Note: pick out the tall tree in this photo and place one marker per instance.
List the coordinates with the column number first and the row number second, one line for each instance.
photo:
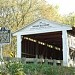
column 50, row 12
column 69, row 19
column 16, row 13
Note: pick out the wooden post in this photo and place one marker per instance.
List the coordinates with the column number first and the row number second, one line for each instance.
column 46, row 51
column 54, row 62
column 46, row 60
column 37, row 49
column 18, row 46
column 36, row 52
column 65, row 48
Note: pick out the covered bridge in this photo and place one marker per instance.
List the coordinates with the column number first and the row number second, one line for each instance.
column 44, row 38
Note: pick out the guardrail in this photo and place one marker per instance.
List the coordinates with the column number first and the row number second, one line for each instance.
column 34, row 60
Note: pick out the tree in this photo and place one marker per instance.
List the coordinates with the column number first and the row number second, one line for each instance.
column 70, row 19
column 50, row 12
column 16, row 13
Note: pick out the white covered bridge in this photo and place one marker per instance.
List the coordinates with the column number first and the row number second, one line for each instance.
column 46, row 39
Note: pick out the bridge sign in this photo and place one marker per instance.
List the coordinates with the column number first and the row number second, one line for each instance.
column 4, row 35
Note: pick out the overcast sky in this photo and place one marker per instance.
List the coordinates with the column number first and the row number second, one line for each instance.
column 65, row 6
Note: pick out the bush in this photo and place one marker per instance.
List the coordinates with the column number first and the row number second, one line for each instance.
column 19, row 68
column 15, row 68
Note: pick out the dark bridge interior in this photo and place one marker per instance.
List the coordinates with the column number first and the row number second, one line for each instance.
column 45, row 45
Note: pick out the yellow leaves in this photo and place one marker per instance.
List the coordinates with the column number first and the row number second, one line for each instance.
column 19, row 13
column 8, row 53
column 9, row 50
column 69, row 19
column 50, row 12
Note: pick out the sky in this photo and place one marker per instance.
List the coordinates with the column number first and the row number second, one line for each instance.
column 65, row 6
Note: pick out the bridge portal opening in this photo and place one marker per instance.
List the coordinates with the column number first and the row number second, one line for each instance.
column 44, row 45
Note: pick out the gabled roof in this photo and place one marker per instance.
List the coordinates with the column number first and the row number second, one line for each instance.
column 42, row 26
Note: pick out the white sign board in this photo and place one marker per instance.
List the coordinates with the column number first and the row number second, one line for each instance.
column 41, row 25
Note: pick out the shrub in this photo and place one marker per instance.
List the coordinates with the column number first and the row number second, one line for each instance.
column 19, row 68
column 15, row 68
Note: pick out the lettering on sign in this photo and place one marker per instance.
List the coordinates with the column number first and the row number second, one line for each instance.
column 41, row 25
